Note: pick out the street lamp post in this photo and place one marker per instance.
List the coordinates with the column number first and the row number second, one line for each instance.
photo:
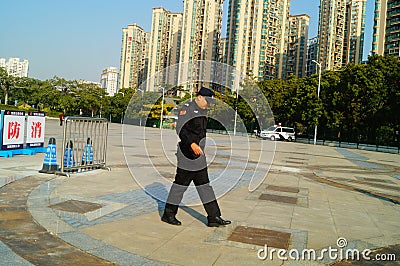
column 319, row 88
column 101, row 103
column 141, row 108
column 236, row 111
column 122, row 114
column 254, row 100
column 162, row 108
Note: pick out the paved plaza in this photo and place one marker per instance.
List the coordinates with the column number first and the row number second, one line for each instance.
column 314, row 197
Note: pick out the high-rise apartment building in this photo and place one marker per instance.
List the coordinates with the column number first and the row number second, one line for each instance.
column 202, row 21
column 340, row 32
column 354, row 33
column 257, row 33
column 312, row 48
column 15, row 67
column 222, row 50
column 386, row 38
column 297, row 45
column 134, row 56
column 109, row 80
column 378, row 39
column 392, row 38
column 331, row 27
column 145, row 58
column 164, row 46
column 3, row 62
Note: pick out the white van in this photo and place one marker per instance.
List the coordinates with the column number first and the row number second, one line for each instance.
column 278, row 133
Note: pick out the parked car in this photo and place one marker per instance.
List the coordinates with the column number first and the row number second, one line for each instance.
column 278, row 133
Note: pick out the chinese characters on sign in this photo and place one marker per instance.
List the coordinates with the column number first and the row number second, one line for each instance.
column 13, row 130
column 13, row 134
column 35, row 129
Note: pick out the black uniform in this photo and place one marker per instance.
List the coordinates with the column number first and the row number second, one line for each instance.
column 191, row 128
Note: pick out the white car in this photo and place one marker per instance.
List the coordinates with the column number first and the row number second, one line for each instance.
column 278, row 133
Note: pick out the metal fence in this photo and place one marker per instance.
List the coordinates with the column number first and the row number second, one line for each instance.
column 382, row 140
column 84, row 145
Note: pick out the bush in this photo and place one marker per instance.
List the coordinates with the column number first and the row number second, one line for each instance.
column 8, row 107
column 25, row 107
column 386, row 136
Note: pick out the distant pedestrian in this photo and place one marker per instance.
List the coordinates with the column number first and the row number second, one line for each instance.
column 61, row 119
column 192, row 165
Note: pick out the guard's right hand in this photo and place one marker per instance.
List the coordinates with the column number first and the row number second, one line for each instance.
column 196, row 149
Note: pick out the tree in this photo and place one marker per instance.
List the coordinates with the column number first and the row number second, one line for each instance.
column 6, row 82
column 253, row 106
column 302, row 105
column 384, row 77
column 89, row 97
column 25, row 90
column 48, row 96
column 330, row 97
column 119, row 102
column 140, row 107
column 276, row 93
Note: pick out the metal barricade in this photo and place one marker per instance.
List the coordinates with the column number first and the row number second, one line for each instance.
column 84, row 145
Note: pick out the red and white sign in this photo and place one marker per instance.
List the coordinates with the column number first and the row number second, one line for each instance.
column 13, row 130
column 35, row 126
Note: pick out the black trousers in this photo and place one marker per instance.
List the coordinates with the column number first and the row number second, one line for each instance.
column 202, row 183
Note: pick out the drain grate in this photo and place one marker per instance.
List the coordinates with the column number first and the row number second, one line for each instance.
column 278, row 198
column 260, row 237
column 284, row 189
column 76, row 206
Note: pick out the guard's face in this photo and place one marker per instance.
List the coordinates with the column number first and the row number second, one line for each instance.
column 201, row 102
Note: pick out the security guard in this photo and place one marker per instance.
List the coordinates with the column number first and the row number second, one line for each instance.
column 192, row 165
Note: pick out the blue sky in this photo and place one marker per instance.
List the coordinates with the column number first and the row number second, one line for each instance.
column 77, row 39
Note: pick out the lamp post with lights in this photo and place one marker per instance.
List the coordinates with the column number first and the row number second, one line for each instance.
column 319, row 88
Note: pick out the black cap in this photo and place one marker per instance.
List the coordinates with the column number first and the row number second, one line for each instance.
column 208, row 94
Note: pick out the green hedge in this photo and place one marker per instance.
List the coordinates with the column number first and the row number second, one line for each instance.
column 24, row 108
column 9, row 107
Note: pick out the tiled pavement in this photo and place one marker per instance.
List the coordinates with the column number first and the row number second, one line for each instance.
column 30, row 240
column 312, row 196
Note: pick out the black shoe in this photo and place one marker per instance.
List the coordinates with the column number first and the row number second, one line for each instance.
column 217, row 221
column 171, row 220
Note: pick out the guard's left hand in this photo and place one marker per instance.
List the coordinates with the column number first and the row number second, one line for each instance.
column 196, row 149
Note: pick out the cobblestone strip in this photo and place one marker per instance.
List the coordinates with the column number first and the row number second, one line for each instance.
column 28, row 239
